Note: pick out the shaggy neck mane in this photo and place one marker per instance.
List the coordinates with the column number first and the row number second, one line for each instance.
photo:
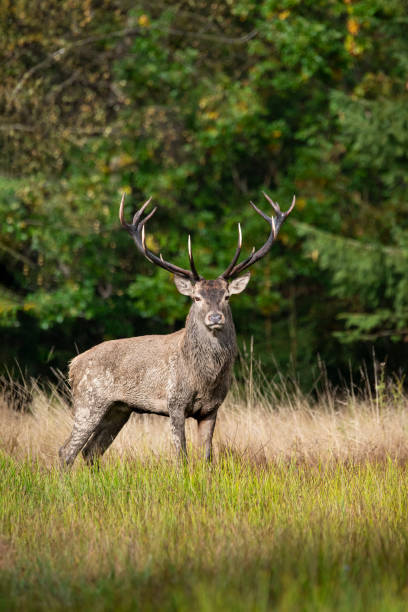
column 208, row 353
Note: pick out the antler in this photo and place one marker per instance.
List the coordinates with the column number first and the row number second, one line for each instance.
column 274, row 222
column 137, row 230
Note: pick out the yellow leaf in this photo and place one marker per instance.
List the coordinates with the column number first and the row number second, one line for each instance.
column 144, row 21
column 353, row 26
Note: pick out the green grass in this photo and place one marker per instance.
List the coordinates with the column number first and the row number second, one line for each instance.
column 148, row 535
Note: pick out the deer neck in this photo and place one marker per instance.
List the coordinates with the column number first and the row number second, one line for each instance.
column 208, row 353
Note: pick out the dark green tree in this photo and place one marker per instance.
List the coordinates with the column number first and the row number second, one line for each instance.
column 203, row 107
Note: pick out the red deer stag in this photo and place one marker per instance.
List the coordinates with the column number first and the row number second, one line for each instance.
column 179, row 375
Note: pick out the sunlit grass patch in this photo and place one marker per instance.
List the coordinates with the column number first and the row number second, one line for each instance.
column 235, row 533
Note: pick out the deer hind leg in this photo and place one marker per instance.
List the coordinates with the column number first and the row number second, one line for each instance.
column 85, row 424
column 105, row 434
column 78, row 438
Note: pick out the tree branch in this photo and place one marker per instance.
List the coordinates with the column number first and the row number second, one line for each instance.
column 55, row 55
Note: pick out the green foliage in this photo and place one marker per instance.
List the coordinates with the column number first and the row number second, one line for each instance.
column 203, row 107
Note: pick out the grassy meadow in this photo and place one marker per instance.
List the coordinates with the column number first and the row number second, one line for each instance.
column 305, row 507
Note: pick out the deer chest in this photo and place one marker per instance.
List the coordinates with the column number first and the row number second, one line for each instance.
column 207, row 400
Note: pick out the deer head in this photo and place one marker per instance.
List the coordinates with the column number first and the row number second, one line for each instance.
column 210, row 297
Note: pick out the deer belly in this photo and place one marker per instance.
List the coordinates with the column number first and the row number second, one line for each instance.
column 147, row 390
column 157, row 406
column 149, row 406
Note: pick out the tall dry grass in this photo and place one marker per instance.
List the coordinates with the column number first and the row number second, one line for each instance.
column 260, row 420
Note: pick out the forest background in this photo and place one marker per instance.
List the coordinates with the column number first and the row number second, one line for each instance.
column 203, row 105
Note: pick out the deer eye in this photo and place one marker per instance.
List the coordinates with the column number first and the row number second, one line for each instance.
column 197, row 299
column 226, row 298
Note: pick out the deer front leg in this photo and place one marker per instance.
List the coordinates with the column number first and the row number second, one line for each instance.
column 178, row 432
column 176, row 407
column 206, row 427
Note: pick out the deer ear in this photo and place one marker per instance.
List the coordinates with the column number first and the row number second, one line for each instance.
column 239, row 284
column 184, row 285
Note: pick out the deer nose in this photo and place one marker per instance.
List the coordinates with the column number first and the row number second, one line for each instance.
column 214, row 320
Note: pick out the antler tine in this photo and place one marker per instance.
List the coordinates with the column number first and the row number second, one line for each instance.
column 292, row 206
column 242, row 265
column 121, row 211
column 260, row 212
column 274, row 205
column 191, row 258
column 275, row 225
column 144, row 244
column 137, row 215
column 145, row 220
column 137, row 230
column 236, row 254
column 143, row 239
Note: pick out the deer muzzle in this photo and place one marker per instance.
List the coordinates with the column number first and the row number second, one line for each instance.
column 214, row 320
